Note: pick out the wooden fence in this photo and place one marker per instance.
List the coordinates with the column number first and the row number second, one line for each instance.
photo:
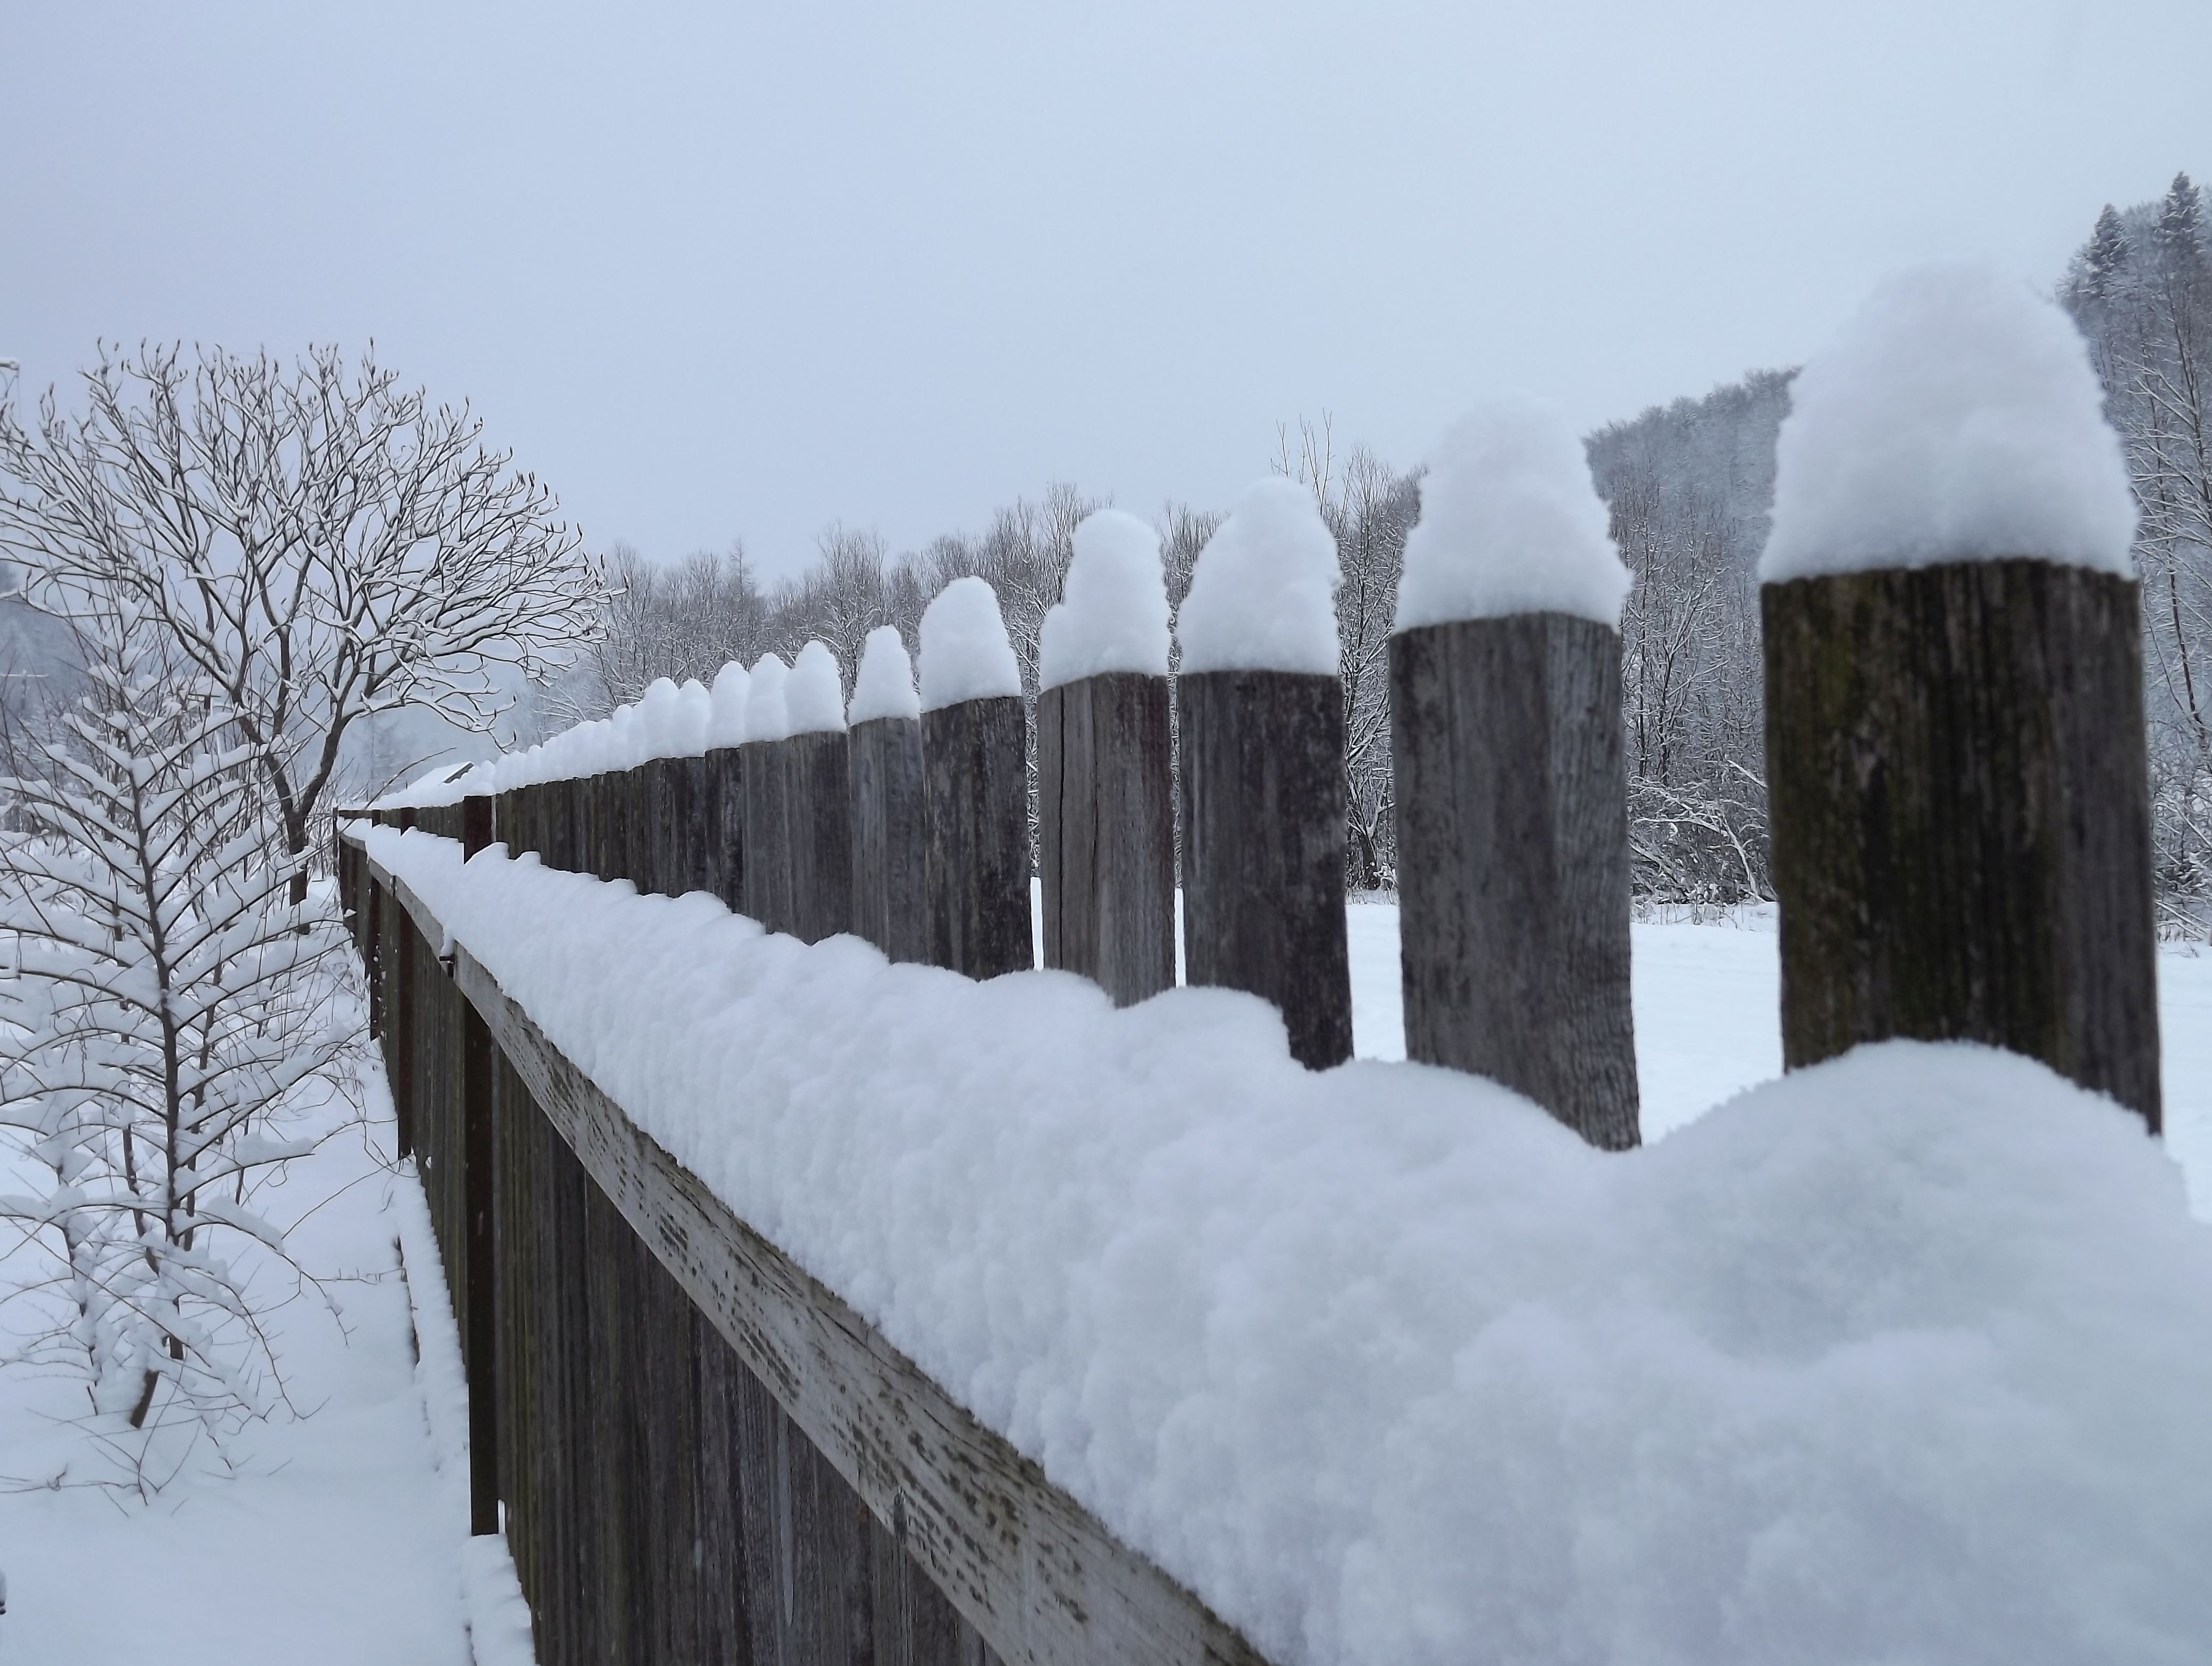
column 702, row 1454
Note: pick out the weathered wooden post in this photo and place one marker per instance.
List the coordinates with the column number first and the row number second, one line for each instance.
column 819, row 811
column 395, row 947
column 890, row 851
column 1511, row 778
column 1105, row 786
column 688, row 845
column 975, row 787
column 767, row 836
column 725, row 820
column 479, row 1184
column 1954, row 725
column 1262, row 729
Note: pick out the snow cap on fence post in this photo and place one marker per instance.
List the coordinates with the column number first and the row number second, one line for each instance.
column 1509, row 774
column 694, row 711
column 657, row 713
column 727, row 726
column 1510, row 522
column 814, row 694
column 1958, row 781
column 1955, row 417
column 965, row 654
column 883, row 686
column 1113, row 611
column 766, row 719
column 1263, row 595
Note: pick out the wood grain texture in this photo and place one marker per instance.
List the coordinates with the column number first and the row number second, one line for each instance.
column 1106, row 833
column 1960, row 815
column 819, row 817
column 975, row 821
column 1032, row 1574
column 889, row 847
column 1511, row 791
column 723, row 871
column 768, row 834
column 1263, row 848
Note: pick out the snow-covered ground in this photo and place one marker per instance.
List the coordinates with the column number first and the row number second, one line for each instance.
column 344, row 1539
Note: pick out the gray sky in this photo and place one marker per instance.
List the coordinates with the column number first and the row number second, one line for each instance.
column 719, row 270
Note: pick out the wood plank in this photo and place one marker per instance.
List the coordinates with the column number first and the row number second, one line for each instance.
column 724, row 872
column 974, row 759
column 1263, row 848
column 818, row 814
column 1960, row 815
column 768, row 834
column 889, row 860
column 1106, row 832
column 1511, row 787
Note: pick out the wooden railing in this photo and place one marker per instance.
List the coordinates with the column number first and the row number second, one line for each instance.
column 700, row 1453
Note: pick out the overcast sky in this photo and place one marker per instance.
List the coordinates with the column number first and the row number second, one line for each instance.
column 718, row 271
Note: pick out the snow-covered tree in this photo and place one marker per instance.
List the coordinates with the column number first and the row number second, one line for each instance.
column 2142, row 291
column 315, row 542
column 168, row 1016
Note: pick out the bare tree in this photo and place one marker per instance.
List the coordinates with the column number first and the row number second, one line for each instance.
column 315, row 542
column 1370, row 508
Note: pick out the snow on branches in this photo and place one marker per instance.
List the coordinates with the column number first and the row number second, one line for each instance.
column 168, row 1014
column 317, row 542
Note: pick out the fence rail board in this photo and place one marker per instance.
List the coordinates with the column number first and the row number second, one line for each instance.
column 1037, row 1576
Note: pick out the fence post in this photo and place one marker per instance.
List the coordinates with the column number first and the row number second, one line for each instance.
column 1263, row 848
column 1105, row 773
column 479, row 1182
column 1510, row 775
column 1511, row 790
column 767, row 797
column 723, row 825
column 975, row 787
column 1106, row 832
column 1960, row 812
column 395, row 935
column 1260, row 713
column 890, row 866
column 1957, row 770
column 819, row 812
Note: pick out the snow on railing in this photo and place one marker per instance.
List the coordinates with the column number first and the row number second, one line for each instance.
column 1376, row 1362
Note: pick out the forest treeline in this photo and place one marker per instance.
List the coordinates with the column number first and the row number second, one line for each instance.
column 1689, row 486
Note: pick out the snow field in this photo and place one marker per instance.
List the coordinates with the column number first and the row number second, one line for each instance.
column 1510, row 522
column 342, row 1538
column 1955, row 417
column 1113, row 615
column 883, row 686
column 1263, row 595
column 1902, row 1358
column 965, row 654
